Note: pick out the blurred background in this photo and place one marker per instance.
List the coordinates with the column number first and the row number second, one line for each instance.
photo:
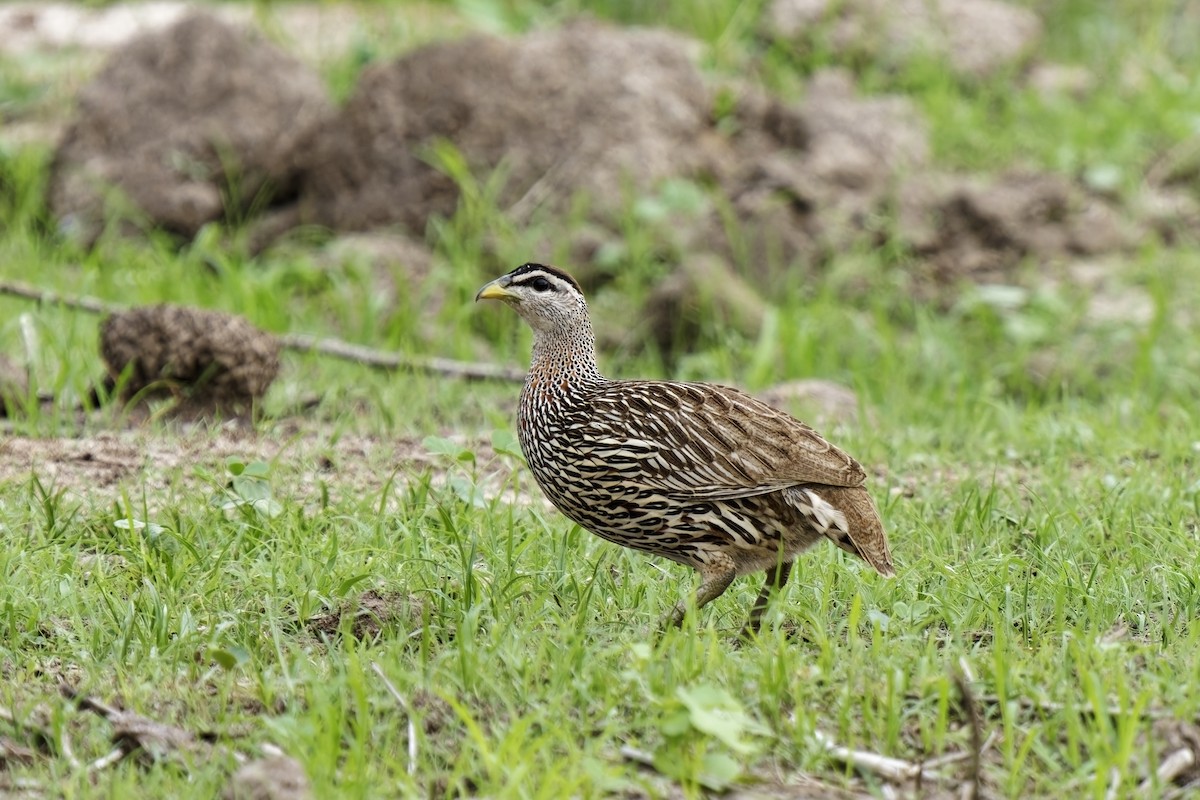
column 920, row 203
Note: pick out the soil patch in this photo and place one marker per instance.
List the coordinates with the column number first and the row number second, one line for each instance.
column 976, row 38
column 97, row 470
column 370, row 614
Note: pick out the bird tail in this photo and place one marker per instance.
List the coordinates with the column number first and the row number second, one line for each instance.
column 864, row 535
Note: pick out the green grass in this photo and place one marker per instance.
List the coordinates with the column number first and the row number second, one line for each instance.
column 1045, row 529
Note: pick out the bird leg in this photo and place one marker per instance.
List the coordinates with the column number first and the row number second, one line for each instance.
column 712, row 585
column 776, row 577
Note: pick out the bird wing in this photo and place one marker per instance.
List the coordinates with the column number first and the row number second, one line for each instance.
column 692, row 440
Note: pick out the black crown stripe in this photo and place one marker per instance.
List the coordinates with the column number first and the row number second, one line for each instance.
column 526, row 269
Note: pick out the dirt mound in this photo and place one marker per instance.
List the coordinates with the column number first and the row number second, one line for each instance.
column 977, row 38
column 980, row 230
column 211, row 361
column 1171, row 211
column 187, row 125
column 806, row 180
column 585, row 108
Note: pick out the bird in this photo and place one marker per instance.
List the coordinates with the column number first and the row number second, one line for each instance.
column 702, row 474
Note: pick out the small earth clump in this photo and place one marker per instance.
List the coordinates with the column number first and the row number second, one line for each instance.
column 371, row 613
column 274, row 778
column 967, row 229
column 211, row 361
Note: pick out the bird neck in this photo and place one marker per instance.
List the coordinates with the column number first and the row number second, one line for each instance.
column 565, row 357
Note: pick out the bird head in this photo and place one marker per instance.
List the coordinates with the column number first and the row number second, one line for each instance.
column 547, row 298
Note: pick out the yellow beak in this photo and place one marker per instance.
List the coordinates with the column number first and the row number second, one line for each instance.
column 496, row 290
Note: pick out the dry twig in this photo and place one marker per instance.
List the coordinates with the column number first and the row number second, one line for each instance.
column 92, row 305
column 974, row 718
column 114, row 756
column 1189, row 789
column 1114, row 784
column 1054, row 707
column 639, row 757
column 12, row 751
column 1170, row 768
column 963, row 755
column 896, row 770
column 383, row 359
column 299, row 342
column 28, row 785
column 133, row 733
column 407, row 709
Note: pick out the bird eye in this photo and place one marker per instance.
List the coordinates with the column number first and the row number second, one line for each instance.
column 540, row 285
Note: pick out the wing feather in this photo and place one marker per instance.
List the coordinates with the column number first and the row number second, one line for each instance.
column 709, row 441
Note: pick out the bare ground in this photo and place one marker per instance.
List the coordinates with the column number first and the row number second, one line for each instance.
column 100, row 468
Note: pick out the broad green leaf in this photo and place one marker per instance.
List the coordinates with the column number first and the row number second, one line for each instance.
column 720, row 771
column 259, row 469
column 715, row 712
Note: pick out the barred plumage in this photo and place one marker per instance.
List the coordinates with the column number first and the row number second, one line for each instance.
column 702, row 474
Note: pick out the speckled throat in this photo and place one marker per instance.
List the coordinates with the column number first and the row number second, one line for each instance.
column 555, row 409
